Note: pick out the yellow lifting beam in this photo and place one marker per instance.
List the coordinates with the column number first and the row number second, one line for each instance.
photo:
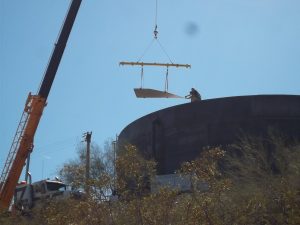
column 154, row 64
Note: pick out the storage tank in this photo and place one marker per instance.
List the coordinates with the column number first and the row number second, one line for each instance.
column 177, row 134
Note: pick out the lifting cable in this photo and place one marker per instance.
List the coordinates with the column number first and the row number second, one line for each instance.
column 142, row 76
column 155, row 32
column 155, row 38
column 142, row 64
column 146, row 50
column 167, row 82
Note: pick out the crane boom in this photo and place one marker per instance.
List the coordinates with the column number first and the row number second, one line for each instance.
column 23, row 141
column 59, row 49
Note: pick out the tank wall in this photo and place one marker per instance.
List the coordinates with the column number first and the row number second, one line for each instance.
column 177, row 134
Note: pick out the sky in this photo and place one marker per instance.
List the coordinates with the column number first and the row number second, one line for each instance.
column 235, row 47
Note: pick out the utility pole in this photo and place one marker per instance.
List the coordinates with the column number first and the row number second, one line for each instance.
column 115, row 146
column 87, row 138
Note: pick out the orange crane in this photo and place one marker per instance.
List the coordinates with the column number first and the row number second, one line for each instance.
column 22, row 144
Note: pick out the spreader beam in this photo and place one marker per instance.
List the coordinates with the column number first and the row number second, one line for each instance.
column 154, row 64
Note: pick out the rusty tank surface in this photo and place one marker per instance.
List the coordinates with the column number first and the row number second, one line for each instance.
column 177, row 134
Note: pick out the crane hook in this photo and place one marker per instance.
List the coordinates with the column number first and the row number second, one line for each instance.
column 155, row 32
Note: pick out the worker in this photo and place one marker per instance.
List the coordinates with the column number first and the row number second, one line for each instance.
column 194, row 95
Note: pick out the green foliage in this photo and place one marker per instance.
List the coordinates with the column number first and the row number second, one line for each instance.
column 101, row 170
column 254, row 182
column 134, row 173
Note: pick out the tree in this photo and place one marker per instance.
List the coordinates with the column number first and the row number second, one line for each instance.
column 101, row 170
column 265, row 172
column 134, row 172
column 255, row 181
